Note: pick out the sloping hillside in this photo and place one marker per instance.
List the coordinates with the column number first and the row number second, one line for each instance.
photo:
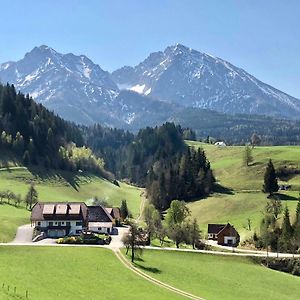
column 242, row 197
column 58, row 186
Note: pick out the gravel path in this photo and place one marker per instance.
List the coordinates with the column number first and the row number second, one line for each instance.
column 24, row 234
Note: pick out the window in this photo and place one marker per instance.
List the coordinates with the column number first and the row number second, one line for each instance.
column 39, row 223
column 63, row 223
column 50, row 223
column 68, row 223
column 55, row 223
column 59, row 223
column 78, row 223
column 78, row 231
column 99, row 228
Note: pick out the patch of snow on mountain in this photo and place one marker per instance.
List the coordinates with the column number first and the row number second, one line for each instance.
column 138, row 88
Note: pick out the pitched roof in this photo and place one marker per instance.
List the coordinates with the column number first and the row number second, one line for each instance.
column 232, row 230
column 114, row 212
column 98, row 214
column 59, row 210
column 215, row 228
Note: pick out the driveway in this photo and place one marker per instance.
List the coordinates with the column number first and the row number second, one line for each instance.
column 116, row 240
column 24, row 234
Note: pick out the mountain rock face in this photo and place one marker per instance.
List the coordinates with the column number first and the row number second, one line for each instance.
column 168, row 86
column 193, row 79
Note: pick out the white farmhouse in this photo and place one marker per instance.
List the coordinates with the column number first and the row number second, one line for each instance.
column 59, row 219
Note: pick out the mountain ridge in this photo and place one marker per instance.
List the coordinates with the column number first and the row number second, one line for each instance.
column 194, row 79
column 166, row 84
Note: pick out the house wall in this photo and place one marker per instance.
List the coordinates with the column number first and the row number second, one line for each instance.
column 229, row 233
column 101, row 229
column 226, row 238
column 212, row 236
column 73, row 227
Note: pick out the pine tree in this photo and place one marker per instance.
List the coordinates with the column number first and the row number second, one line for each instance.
column 270, row 180
column 297, row 214
column 286, row 232
column 124, row 210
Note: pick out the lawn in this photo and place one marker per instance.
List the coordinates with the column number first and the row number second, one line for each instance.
column 10, row 218
column 219, row 277
column 73, row 273
column 243, row 197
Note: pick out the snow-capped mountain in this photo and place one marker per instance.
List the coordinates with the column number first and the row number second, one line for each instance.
column 70, row 85
column 162, row 88
column 190, row 78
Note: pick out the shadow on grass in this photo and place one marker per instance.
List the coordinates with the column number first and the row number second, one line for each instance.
column 223, row 190
column 285, row 197
column 47, row 175
column 147, row 269
column 257, row 163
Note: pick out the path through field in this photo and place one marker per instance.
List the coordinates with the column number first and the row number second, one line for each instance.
column 131, row 267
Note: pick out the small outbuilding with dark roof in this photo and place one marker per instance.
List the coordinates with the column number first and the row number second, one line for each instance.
column 99, row 220
column 224, row 234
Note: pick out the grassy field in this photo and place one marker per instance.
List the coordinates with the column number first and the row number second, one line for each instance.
column 58, row 186
column 73, row 273
column 243, row 198
column 65, row 186
column 219, row 277
column 10, row 219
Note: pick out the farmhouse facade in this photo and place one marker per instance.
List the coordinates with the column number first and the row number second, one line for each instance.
column 59, row 219
column 224, row 234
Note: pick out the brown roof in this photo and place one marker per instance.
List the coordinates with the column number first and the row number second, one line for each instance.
column 59, row 211
column 114, row 212
column 215, row 228
column 98, row 214
column 230, row 230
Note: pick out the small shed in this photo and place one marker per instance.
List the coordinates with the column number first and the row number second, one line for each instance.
column 224, row 234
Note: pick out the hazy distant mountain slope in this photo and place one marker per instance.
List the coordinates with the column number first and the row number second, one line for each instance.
column 71, row 85
column 194, row 79
column 80, row 91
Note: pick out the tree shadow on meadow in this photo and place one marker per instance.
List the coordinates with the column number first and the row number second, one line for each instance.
column 51, row 175
column 223, row 190
column 285, row 197
column 147, row 269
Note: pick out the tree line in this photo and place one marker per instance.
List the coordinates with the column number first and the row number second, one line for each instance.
column 158, row 159
column 39, row 137
column 16, row 199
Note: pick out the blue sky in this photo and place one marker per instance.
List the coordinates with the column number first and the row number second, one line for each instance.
column 261, row 36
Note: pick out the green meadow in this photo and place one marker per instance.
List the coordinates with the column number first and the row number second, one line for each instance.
column 241, row 195
column 215, row 277
column 72, row 273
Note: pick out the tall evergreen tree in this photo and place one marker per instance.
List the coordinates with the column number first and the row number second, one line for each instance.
column 286, row 232
column 124, row 210
column 270, row 180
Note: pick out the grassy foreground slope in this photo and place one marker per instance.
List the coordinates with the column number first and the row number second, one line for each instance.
column 73, row 273
column 244, row 198
column 216, row 277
